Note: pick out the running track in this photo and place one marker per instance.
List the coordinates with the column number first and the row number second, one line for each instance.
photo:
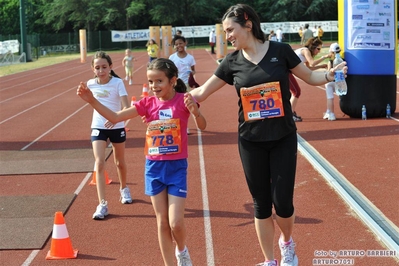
column 40, row 111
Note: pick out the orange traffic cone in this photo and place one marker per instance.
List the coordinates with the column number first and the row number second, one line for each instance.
column 93, row 180
column 61, row 247
column 145, row 91
column 133, row 100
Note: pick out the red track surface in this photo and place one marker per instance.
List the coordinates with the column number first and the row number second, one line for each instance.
column 41, row 106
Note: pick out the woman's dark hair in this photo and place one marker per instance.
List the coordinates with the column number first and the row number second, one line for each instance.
column 240, row 14
column 177, row 37
column 312, row 44
column 104, row 55
column 169, row 68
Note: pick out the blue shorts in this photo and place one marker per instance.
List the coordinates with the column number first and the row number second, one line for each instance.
column 114, row 135
column 170, row 175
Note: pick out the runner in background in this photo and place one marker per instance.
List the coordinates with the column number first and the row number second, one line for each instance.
column 110, row 91
column 127, row 63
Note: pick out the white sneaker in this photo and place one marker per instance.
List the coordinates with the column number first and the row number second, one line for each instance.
column 288, row 256
column 125, row 196
column 331, row 117
column 183, row 258
column 126, row 78
column 130, row 82
column 326, row 115
column 188, row 131
column 101, row 211
column 268, row 263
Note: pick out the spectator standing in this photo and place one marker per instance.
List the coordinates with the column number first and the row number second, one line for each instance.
column 306, row 35
column 272, row 36
column 279, row 35
column 212, row 40
column 315, row 34
column 320, row 32
column 330, row 87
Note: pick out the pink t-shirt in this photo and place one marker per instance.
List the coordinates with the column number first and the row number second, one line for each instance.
column 154, row 109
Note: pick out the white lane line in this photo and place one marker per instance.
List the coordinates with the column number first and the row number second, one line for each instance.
column 368, row 213
column 205, row 205
column 34, row 106
column 45, row 133
column 30, row 258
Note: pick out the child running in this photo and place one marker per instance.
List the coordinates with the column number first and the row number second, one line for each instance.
column 184, row 62
column 166, row 150
column 127, row 62
column 110, row 91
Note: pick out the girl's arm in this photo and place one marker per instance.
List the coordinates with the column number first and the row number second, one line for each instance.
column 192, row 106
column 125, row 114
column 210, row 86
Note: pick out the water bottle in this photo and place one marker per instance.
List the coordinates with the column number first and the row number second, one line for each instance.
column 364, row 113
column 388, row 111
column 340, row 83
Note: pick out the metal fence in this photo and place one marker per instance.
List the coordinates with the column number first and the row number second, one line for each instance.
column 56, row 43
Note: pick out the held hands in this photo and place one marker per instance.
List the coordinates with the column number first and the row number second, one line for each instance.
column 84, row 93
column 191, row 104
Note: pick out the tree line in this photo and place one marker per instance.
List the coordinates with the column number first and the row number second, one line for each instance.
column 47, row 16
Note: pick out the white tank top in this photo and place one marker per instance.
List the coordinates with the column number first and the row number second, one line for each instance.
column 300, row 55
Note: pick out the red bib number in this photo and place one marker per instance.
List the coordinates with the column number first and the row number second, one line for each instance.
column 262, row 101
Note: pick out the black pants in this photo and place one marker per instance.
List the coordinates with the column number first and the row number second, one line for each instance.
column 212, row 48
column 269, row 169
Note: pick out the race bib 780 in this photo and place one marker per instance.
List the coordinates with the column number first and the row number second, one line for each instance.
column 262, row 101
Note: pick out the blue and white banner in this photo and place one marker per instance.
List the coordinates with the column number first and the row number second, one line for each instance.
column 130, row 35
column 204, row 30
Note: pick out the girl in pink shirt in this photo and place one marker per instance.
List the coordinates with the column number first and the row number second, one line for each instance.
column 167, row 114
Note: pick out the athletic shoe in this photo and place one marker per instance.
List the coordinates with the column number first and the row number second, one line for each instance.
column 288, row 256
column 125, row 196
column 126, row 78
column 331, row 117
column 268, row 263
column 130, row 82
column 296, row 117
column 188, row 131
column 326, row 115
column 183, row 258
column 101, row 211
column 294, row 113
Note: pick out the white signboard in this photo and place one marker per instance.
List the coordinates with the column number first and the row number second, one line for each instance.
column 371, row 24
column 11, row 46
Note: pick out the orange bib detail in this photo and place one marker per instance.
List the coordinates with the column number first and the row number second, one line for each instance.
column 262, row 101
column 163, row 137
